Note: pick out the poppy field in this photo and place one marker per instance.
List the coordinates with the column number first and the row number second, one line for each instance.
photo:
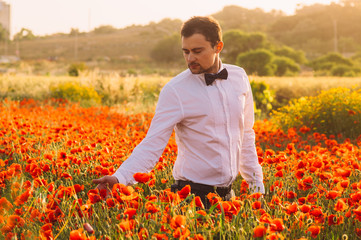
column 50, row 151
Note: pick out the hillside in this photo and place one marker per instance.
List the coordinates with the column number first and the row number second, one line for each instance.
column 133, row 41
column 315, row 29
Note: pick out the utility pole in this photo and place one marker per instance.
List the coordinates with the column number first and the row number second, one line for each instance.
column 335, row 42
column 17, row 48
column 76, row 45
column 89, row 19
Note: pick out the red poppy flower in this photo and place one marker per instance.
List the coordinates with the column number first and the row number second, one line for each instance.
column 198, row 202
column 198, row 237
column 94, row 196
column 340, row 205
column 213, row 198
column 291, row 194
column 77, row 235
column 46, row 231
column 181, row 233
column 160, row 236
column 256, row 205
column 184, row 192
column 279, row 173
column 299, row 174
column 291, row 209
column 259, row 231
column 305, row 208
column 178, row 221
column 317, row 212
column 20, row 200
column 111, row 202
column 5, row 204
column 342, row 172
column 334, row 220
column 277, row 225
column 127, row 225
column 332, row 195
column 150, row 207
column 130, row 212
column 141, row 177
column 315, row 230
column 12, row 222
column 143, row 233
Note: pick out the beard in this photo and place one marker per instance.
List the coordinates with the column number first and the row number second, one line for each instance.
column 196, row 68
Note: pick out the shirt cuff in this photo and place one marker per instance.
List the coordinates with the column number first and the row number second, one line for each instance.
column 255, row 187
column 121, row 178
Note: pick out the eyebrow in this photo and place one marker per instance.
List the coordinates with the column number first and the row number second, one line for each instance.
column 193, row 49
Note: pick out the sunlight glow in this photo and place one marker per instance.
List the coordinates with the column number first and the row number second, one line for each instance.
column 46, row 17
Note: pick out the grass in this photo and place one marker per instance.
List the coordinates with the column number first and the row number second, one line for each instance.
column 132, row 93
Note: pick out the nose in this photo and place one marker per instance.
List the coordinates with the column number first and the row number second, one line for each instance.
column 190, row 57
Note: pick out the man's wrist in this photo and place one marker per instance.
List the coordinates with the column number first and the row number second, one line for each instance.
column 120, row 178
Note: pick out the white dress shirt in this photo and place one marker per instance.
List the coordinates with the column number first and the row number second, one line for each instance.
column 213, row 128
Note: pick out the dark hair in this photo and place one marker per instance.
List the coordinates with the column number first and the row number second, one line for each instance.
column 207, row 26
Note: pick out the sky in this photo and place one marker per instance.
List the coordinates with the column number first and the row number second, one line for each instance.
column 45, row 17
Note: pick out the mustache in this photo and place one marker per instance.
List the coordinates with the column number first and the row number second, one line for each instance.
column 193, row 64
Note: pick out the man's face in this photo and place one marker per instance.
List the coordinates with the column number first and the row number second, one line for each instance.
column 200, row 56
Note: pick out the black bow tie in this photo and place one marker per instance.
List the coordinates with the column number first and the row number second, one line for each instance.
column 209, row 77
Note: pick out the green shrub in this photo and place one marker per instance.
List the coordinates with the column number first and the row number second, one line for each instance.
column 357, row 58
column 296, row 55
column 285, row 66
column 335, row 111
column 168, row 49
column 74, row 92
column 75, row 68
column 263, row 98
column 345, row 71
column 236, row 42
column 324, row 64
column 258, row 62
column 335, row 64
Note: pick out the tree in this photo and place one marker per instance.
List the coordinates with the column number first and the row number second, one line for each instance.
column 4, row 34
column 256, row 40
column 248, row 20
column 285, row 66
column 324, row 24
column 357, row 58
column 345, row 71
column 74, row 32
column 105, row 29
column 168, row 49
column 347, row 45
column 327, row 61
column 258, row 62
column 296, row 55
column 24, row 34
column 336, row 65
column 236, row 42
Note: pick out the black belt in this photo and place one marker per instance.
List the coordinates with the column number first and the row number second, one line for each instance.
column 222, row 191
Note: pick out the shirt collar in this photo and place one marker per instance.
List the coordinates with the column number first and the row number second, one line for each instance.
column 201, row 75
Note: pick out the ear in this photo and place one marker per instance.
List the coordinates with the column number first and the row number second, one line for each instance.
column 219, row 47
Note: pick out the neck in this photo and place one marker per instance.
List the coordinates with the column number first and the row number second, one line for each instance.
column 216, row 66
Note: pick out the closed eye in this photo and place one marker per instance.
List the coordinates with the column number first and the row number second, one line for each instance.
column 194, row 50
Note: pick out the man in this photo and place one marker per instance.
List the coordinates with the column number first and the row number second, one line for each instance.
column 212, row 116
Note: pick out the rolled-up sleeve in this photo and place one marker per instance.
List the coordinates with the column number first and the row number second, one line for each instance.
column 250, row 168
column 146, row 154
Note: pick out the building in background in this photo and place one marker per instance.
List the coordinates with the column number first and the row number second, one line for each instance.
column 5, row 17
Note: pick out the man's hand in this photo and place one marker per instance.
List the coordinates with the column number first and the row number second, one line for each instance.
column 106, row 182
